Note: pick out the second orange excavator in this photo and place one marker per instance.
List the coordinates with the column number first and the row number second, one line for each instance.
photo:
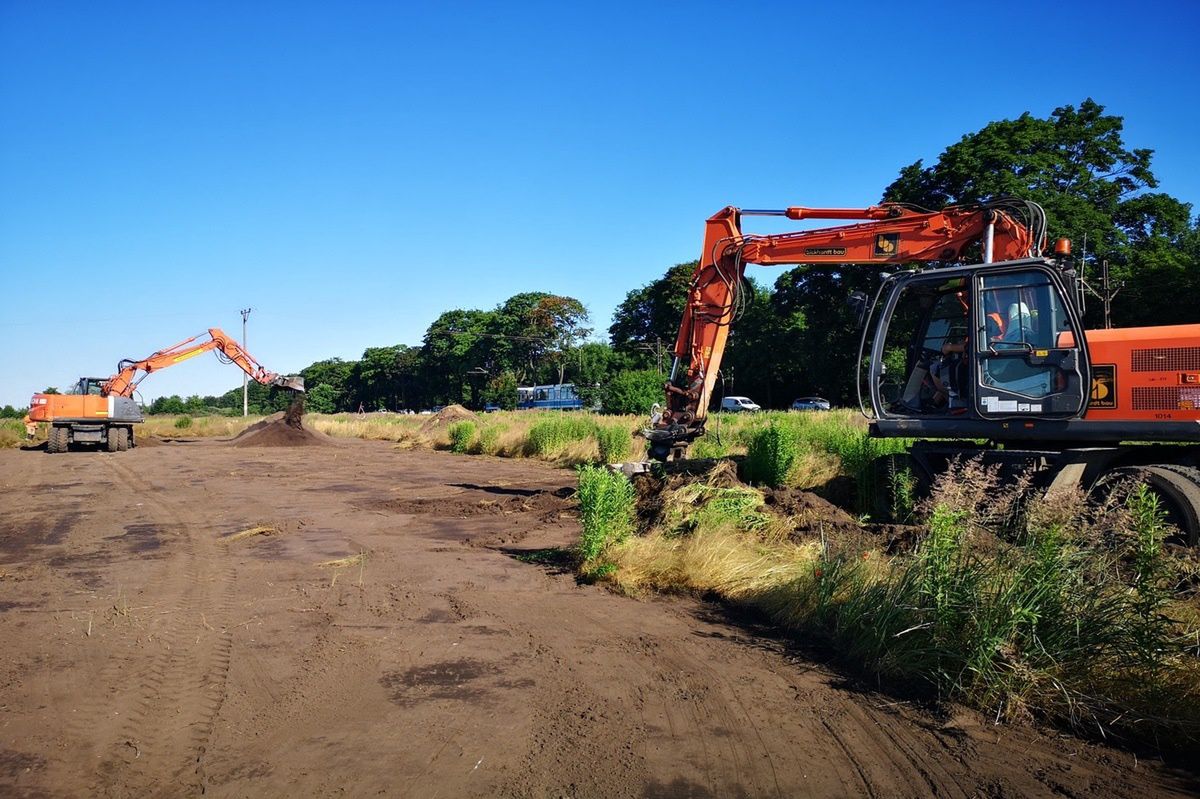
column 103, row 411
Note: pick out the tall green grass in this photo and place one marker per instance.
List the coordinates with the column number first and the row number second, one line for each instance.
column 606, row 510
column 771, row 454
column 614, row 442
column 776, row 442
column 12, row 433
column 462, row 434
column 548, row 436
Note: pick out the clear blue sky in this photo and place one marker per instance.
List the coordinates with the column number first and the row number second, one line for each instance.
column 353, row 169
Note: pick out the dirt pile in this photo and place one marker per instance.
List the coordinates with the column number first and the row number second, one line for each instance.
column 281, row 430
column 808, row 513
column 446, row 417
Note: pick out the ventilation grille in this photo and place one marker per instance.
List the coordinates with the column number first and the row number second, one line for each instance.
column 1163, row 398
column 1166, row 359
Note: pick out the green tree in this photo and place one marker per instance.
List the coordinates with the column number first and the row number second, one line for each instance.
column 385, row 377
column 647, row 321
column 535, row 332
column 334, row 373
column 501, row 391
column 171, row 404
column 51, row 390
column 1075, row 163
column 455, row 344
column 322, row 398
column 633, row 392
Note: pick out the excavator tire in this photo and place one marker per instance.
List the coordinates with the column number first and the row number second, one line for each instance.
column 122, row 434
column 112, row 439
column 58, row 440
column 1177, row 486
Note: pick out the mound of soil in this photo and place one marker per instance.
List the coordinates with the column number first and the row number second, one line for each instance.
column 281, row 430
column 811, row 513
column 448, row 416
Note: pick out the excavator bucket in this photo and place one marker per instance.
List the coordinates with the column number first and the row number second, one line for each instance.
column 294, row 382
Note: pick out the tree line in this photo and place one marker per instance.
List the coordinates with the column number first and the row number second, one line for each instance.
column 796, row 336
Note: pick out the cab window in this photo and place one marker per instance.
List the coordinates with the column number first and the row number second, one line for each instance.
column 1022, row 314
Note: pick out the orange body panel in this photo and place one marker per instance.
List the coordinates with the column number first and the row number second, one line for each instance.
column 48, row 407
column 1144, row 374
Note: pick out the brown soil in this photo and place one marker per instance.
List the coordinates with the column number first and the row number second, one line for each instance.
column 281, row 430
column 446, row 417
column 384, row 641
column 809, row 512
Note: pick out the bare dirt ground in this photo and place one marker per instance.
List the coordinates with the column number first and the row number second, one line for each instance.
column 144, row 653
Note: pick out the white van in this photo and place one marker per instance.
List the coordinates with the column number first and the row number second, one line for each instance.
column 738, row 404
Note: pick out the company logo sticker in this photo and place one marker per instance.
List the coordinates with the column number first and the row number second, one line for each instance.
column 887, row 244
column 1104, row 386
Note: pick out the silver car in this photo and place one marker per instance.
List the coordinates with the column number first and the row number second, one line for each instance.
column 810, row 404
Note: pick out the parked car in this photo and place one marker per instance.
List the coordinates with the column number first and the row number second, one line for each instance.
column 739, row 404
column 810, row 404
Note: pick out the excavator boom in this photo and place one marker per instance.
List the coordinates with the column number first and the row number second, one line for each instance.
column 888, row 234
column 123, row 383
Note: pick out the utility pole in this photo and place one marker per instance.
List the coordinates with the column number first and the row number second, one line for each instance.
column 245, row 380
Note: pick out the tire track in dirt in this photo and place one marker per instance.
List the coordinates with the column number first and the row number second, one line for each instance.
column 176, row 695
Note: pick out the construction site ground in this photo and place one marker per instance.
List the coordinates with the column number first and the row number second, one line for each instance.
column 393, row 627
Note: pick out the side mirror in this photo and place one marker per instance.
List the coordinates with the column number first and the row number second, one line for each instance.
column 858, row 304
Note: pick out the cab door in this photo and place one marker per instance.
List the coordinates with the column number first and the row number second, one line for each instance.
column 1030, row 355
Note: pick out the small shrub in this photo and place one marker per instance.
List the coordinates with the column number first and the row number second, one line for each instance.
column 615, row 442
column 489, row 439
column 771, row 454
column 183, row 422
column 606, row 510
column 548, row 436
column 461, row 435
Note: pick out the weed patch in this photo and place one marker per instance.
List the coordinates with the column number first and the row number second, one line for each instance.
column 462, row 434
column 606, row 510
column 614, row 441
column 550, row 435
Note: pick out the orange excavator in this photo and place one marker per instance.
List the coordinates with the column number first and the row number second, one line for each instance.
column 103, row 411
column 994, row 351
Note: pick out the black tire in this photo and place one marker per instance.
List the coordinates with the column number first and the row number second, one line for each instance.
column 123, row 434
column 1177, row 486
column 112, row 439
column 59, row 439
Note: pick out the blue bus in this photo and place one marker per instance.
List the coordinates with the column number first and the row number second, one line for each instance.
column 560, row 396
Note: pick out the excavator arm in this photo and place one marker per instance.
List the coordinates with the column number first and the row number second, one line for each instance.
column 127, row 378
column 888, row 234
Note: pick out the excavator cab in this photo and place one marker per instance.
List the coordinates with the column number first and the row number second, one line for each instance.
column 89, row 385
column 975, row 351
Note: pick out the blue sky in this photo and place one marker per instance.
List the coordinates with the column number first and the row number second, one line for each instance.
column 351, row 170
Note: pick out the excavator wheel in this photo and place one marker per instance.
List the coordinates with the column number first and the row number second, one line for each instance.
column 112, row 441
column 1178, row 487
column 123, row 435
column 59, row 440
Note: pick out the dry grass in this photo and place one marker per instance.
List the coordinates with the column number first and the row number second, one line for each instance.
column 721, row 560
column 344, row 563
column 201, row 426
column 250, row 532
